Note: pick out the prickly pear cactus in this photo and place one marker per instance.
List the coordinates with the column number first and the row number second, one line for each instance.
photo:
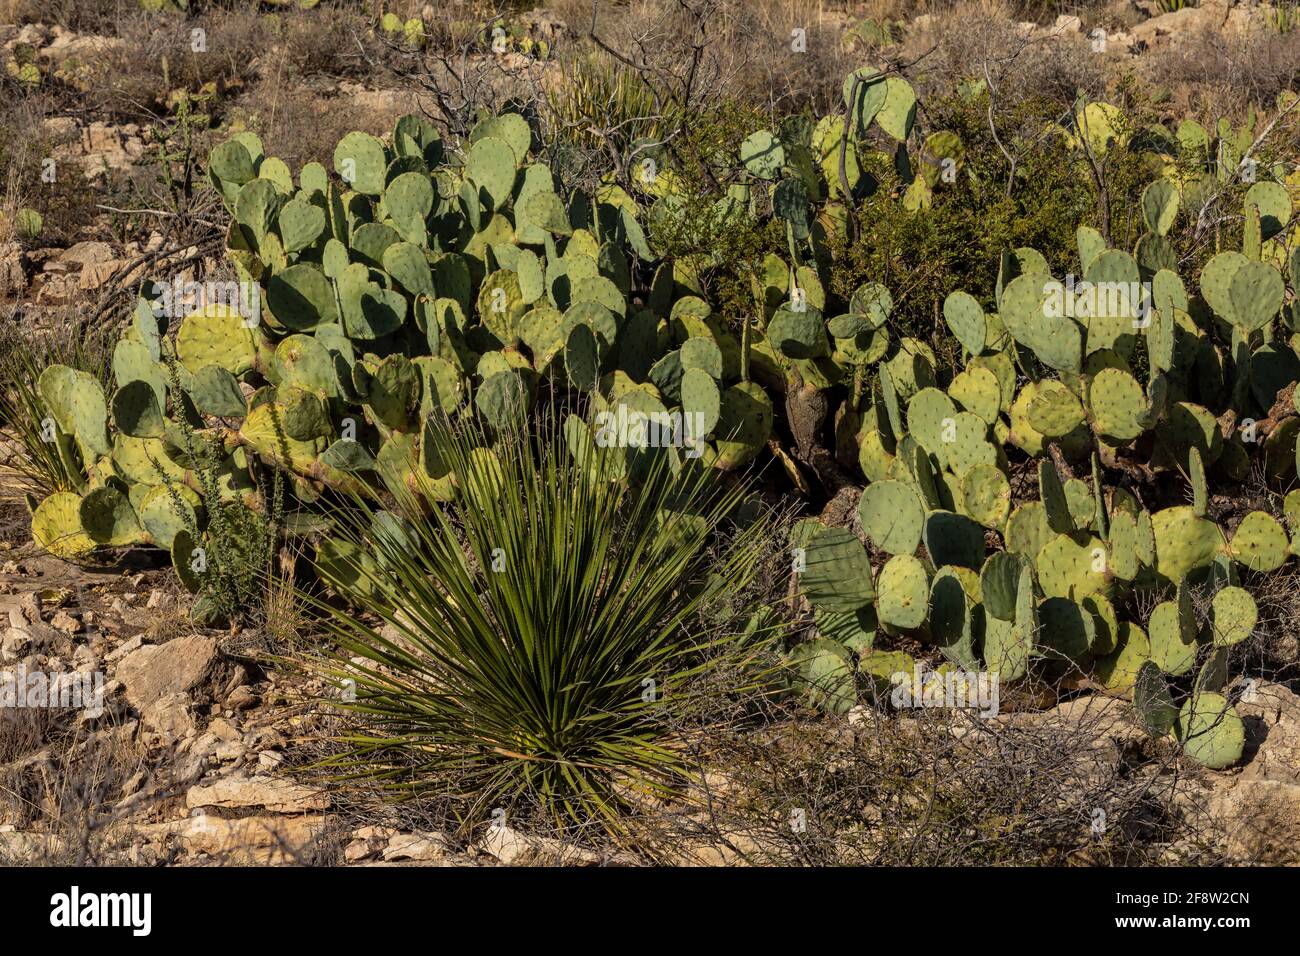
column 1028, row 513
column 415, row 278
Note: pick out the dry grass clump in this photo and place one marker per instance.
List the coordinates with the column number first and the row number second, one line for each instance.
column 304, row 126
column 66, row 205
column 1211, row 74
column 972, row 41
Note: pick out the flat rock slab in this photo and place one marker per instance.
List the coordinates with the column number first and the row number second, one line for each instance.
column 177, row 667
column 274, row 793
column 247, row 841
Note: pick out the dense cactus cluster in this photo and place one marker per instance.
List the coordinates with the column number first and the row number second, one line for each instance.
column 1109, row 385
column 419, row 280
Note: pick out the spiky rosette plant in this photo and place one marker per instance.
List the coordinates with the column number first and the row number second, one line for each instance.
column 537, row 626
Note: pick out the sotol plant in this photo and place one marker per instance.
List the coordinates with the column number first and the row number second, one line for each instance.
column 537, row 624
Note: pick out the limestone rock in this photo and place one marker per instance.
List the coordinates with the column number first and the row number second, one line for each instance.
column 186, row 664
column 277, row 794
column 418, row 847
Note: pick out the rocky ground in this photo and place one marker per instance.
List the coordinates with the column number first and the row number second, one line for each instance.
column 187, row 756
column 195, row 758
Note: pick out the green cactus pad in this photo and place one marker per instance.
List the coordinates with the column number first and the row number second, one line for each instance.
column 263, row 432
column 1055, row 339
column 216, row 336
column 837, row 573
column 911, row 368
column 360, row 159
column 256, row 211
column 1054, row 411
column 884, row 670
column 490, row 165
column 873, row 458
column 1052, row 492
column 1256, row 293
column 1066, row 631
column 798, row 335
column 1122, row 546
column 301, row 224
column 409, row 200
column 143, row 460
column 305, row 416
column 1274, row 204
column 1106, row 623
column 133, row 360
column 762, row 154
column 744, row 424
column 1216, row 282
column 502, row 399
column 1151, row 699
column 1028, row 530
column 1081, row 503
column 76, row 400
column 1090, row 245
column 970, row 446
column 301, row 297
column 581, row 361
column 1072, row 566
column 107, row 517
column 136, row 412
column 501, row 305
column 166, row 509
column 1213, row 675
column 1006, row 650
column 902, row 593
column 1260, row 543
column 977, row 391
column 892, row 516
column 864, row 92
column 823, row 675
column 986, row 496
column 304, row 362
column 954, row 539
column 999, row 584
column 1210, row 731
column 1184, row 542
column 1233, row 615
column 348, row 455
column 1116, row 402
column 56, row 526
column 230, row 161
column 898, row 112
column 950, row 620
column 1118, row 671
column 966, row 319
column 216, row 392
column 1171, row 649
column 1160, row 206
column 855, row 630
